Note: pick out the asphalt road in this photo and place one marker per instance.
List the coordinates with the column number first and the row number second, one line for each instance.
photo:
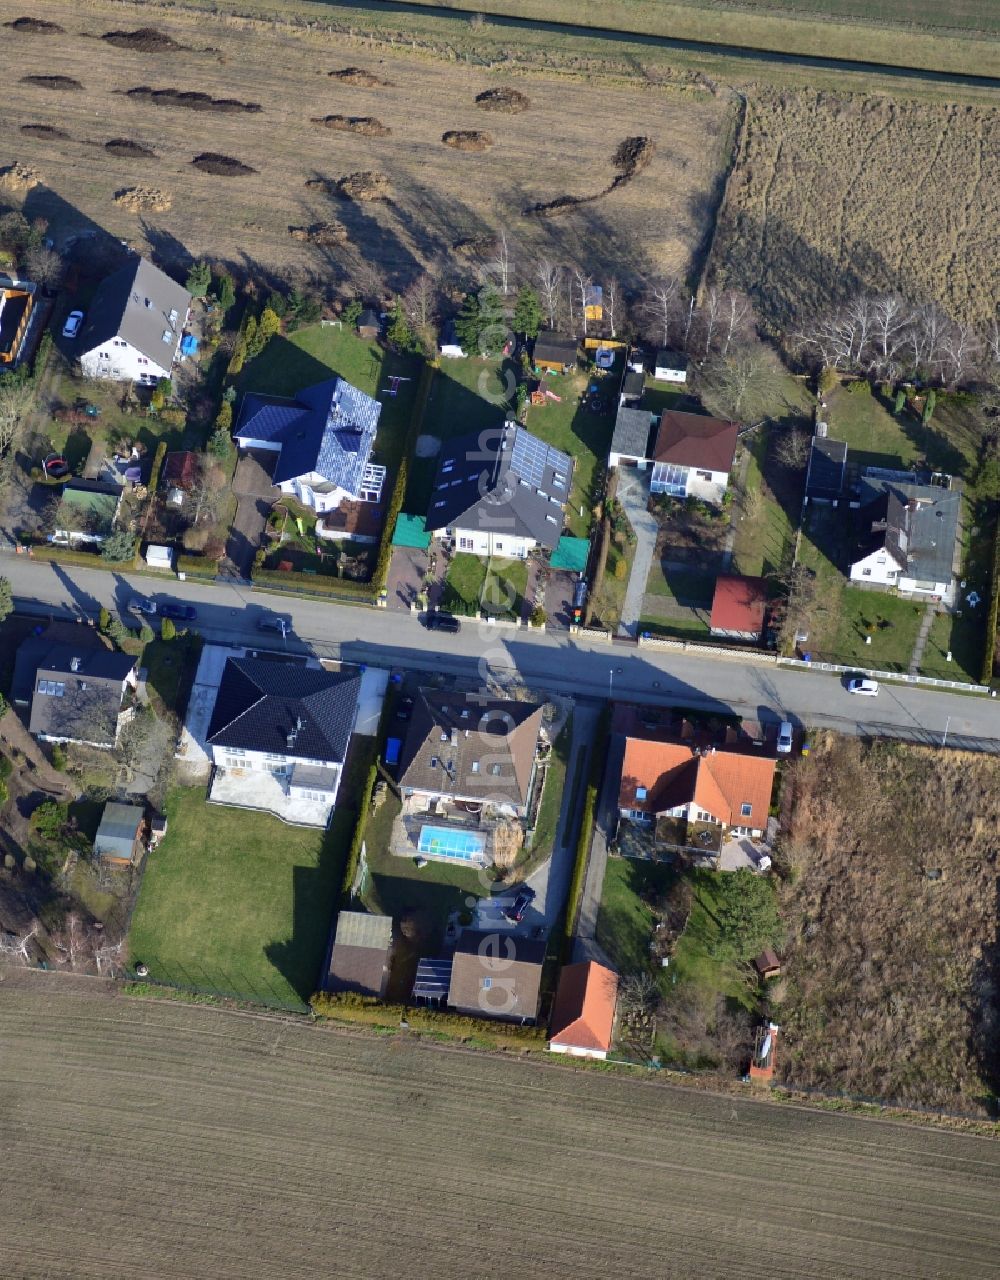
column 554, row 661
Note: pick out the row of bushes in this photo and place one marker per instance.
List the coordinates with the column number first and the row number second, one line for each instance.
column 582, row 859
column 92, row 559
column 197, row 567
column 307, row 584
column 364, row 808
column 348, row 1007
column 989, row 650
column 154, row 471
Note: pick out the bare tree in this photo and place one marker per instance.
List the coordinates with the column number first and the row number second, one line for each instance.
column 44, row 266
column 15, row 402
column 929, row 333
column 501, row 264
column 891, row 319
column 792, row 448
column 583, row 284
column 739, row 384
column 660, row 306
column 108, row 958
column 709, row 315
column 613, row 305
column 420, row 300
column 548, row 277
column 737, row 317
column 14, row 946
column 991, row 341
column 70, row 940
column 638, row 995
column 959, row 351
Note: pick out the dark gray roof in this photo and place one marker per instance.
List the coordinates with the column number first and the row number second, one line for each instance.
column 328, row 428
column 140, row 304
column 633, row 384
column 667, row 359
column 632, row 430
column 484, row 748
column 827, row 468
column 556, row 348
column 119, row 826
column 369, row 319
column 917, row 524
column 502, row 480
column 35, row 649
column 81, row 704
column 285, row 709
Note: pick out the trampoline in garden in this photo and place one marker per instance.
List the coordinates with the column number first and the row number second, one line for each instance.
column 447, row 842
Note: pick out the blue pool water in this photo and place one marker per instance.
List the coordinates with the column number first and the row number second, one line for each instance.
column 444, row 842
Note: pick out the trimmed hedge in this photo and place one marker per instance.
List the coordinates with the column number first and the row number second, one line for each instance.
column 364, row 808
column 349, row 1007
column 154, row 473
column 989, row 651
column 197, row 567
column 93, row 559
column 307, row 584
column 582, row 859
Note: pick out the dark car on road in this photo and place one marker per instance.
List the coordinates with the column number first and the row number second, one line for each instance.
column 520, row 905
column 275, row 622
column 182, row 612
column 442, row 622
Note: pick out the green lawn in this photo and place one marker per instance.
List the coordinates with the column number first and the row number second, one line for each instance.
column 609, row 596
column 765, row 536
column 317, row 352
column 547, row 821
column 689, row 627
column 505, row 587
column 239, row 902
column 463, row 584
column 171, row 666
column 624, row 921
column 686, row 586
column 964, row 637
column 896, row 624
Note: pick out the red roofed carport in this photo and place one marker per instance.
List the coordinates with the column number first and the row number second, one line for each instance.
column 738, row 608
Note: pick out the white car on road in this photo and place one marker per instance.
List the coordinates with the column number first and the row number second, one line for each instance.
column 869, row 688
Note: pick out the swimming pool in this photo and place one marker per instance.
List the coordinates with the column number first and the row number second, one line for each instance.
column 446, row 842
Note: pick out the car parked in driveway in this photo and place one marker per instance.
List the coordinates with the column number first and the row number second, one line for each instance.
column 442, row 622
column 785, row 738
column 867, row 688
column 72, row 326
column 181, row 612
column 275, row 622
column 520, row 905
column 142, row 604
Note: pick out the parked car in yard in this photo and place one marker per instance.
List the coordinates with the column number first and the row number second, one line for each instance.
column 72, row 326
column 442, row 622
column 275, row 622
column 142, row 604
column 181, row 612
column 859, row 684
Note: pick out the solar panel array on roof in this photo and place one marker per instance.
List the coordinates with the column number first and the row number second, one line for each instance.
column 531, row 458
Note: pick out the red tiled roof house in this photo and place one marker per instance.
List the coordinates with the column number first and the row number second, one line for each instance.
column 693, row 456
column 738, row 608
column 583, row 1015
column 694, row 796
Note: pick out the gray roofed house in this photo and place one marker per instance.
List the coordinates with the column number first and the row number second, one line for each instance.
column 468, row 747
column 134, row 325
column 633, row 385
column 497, row 975
column 827, row 470
column 911, row 534
column 76, row 691
column 359, row 961
column 324, row 440
column 630, row 442
column 500, row 491
column 118, row 836
column 555, row 350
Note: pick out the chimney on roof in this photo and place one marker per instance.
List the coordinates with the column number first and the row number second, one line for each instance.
column 74, row 664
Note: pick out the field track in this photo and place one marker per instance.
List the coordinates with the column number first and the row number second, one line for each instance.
column 148, row 1139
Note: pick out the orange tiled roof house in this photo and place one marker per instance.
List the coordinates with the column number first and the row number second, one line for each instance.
column 694, row 797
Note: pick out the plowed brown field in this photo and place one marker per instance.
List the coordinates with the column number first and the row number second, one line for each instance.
column 562, row 144
column 146, row 1139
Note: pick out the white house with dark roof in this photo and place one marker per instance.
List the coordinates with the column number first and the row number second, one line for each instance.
column 500, row 491
column 134, row 326
column 324, row 440
column 278, row 737
column 910, row 538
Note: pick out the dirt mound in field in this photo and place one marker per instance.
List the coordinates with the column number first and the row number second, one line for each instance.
column 631, row 156
column 504, row 100
column 43, row 131
column 36, row 26
column 363, row 79
column 189, row 99
column 144, row 200
column 368, row 185
column 52, row 82
column 129, row 150
column 19, row 177
column 320, row 233
column 367, row 125
column 145, row 40
column 467, row 140
column 221, row 166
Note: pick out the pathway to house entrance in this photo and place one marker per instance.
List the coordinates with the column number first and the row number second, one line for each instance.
column 921, row 644
column 633, row 494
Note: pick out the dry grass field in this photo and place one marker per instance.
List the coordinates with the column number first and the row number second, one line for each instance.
column 168, row 1141
column 891, row 986
column 834, row 194
column 263, row 94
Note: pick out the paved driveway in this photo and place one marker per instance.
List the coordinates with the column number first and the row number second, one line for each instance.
column 252, row 485
column 633, row 494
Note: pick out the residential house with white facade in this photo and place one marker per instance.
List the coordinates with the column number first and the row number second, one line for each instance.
column 693, row 456
column 279, row 732
column 910, row 536
column 324, row 440
column 135, row 324
column 500, row 491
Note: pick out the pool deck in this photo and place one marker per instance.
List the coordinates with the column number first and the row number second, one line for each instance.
column 405, row 841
